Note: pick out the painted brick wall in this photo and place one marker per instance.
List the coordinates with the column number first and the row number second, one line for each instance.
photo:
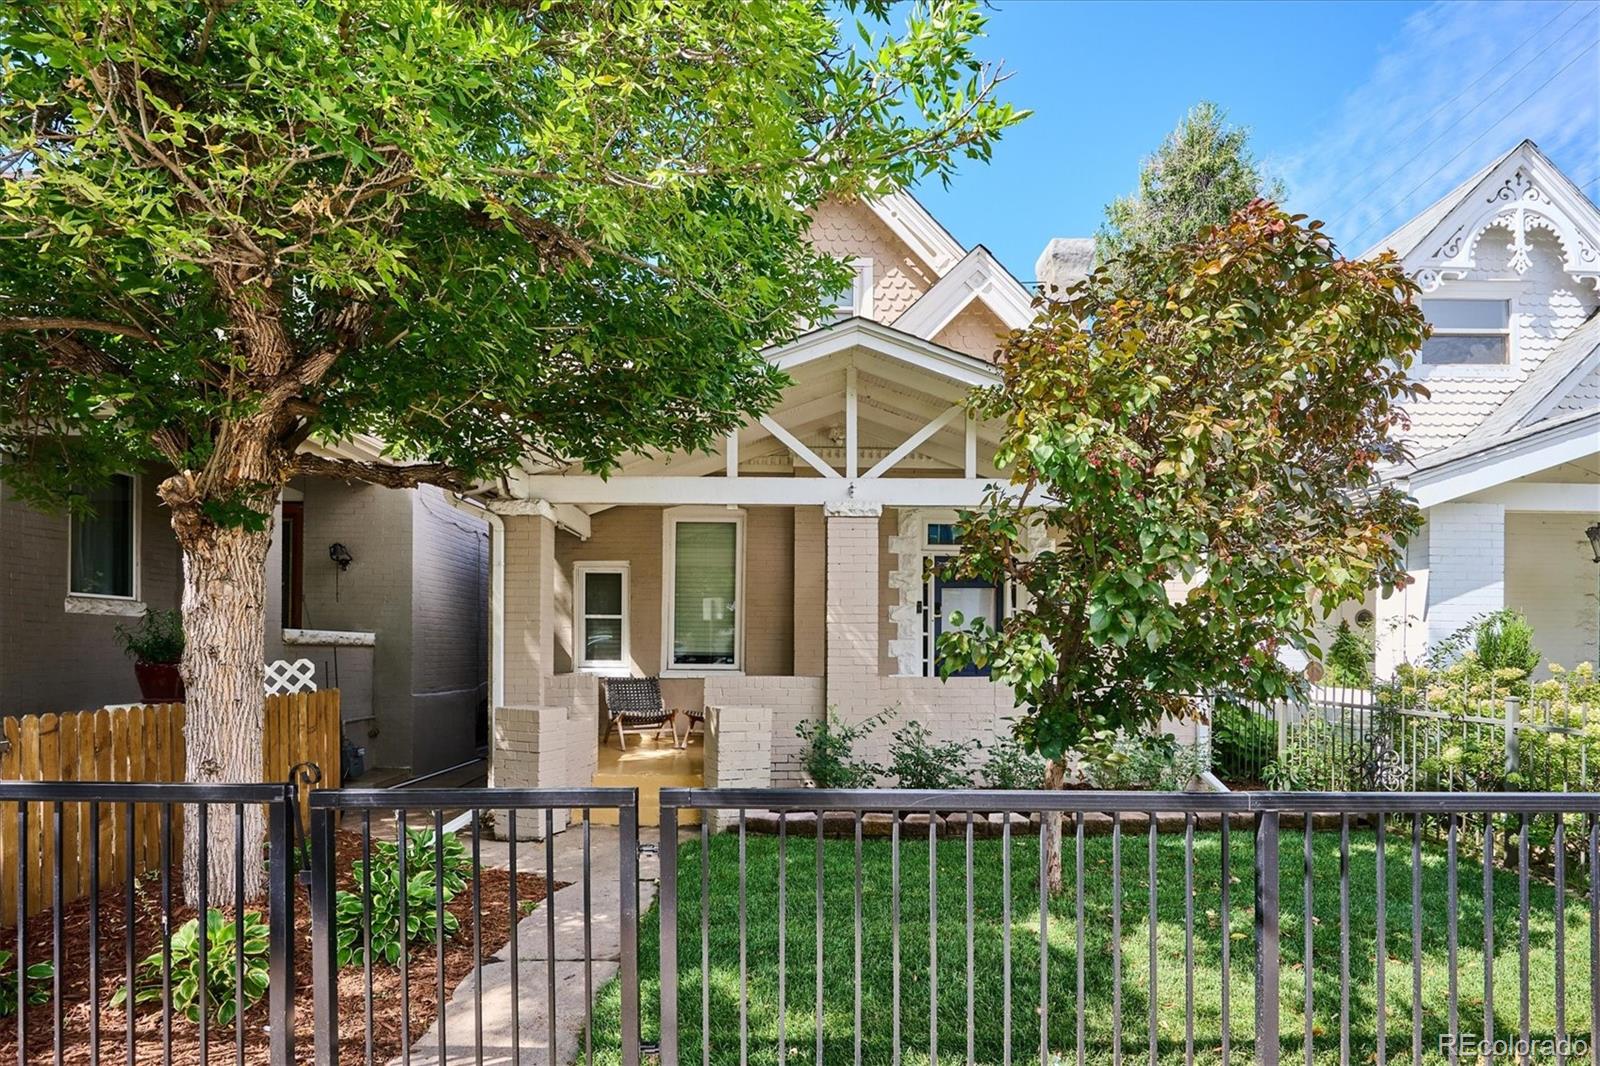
column 810, row 592
column 738, row 752
column 529, row 607
column 1551, row 577
column 1467, row 549
column 791, row 700
column 50, row 660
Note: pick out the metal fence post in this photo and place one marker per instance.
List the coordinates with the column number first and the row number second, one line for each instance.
column 280, row 923
column 1267, row 938
column 669, row 934
column 628, row 917
column 324, row 944
column 1513, row 746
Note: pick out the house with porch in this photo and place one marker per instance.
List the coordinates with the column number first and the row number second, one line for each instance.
column 1506, row 449
column 786, row 573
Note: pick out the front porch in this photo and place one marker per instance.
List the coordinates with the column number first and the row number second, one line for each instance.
column 784, row 574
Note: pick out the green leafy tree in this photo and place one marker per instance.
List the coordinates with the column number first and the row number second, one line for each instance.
column 1205, row 462
column 1350, row 655
column 1202, row 173
column 479, row 231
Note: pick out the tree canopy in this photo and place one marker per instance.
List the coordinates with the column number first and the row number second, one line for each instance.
column 1198, row 429
column 1199, row 176
column 478, row 231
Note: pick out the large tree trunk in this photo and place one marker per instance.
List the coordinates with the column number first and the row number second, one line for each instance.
column 224, row 622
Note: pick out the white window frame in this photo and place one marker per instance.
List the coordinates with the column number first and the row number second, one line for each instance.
column 135, row 583
column 670, row 518
column 580, row 644
column 1507, row 292
column 860, row 302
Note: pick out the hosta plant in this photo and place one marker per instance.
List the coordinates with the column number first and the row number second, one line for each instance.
column 382, row 907
column 34, row 978
column 220, row 974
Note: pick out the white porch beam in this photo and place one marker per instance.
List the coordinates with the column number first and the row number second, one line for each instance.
column 758, row 491
column 911, row 442
column 733, row 453
column 852, row 454
column 792, row 442
column 1542, row 496
column 971, row 460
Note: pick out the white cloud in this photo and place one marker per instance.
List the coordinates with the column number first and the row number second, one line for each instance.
column 1464, row 82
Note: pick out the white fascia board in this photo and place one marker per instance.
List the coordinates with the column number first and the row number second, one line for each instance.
column 1570, row 498
column 979, row 276
column 919, row 230
column 1495, row 465
column 888, row 342
column 757, row 491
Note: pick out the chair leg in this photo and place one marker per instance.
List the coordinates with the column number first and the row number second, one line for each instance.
column 622, row 735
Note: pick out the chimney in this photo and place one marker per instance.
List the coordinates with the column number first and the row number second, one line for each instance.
column 1064, row 262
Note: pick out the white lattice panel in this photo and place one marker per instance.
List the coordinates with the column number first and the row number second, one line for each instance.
column 284, row 676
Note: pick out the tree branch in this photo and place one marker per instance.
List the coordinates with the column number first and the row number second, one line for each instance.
column 394, row 477
column 86, row 325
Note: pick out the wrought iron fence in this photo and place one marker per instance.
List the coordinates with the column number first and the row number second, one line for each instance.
column 954, row 943
column 493, row 1014
column 121, row 930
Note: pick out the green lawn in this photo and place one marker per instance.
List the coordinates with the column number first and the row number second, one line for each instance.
column 877, row 971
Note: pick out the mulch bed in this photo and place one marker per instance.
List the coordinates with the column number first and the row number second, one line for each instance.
column 389, row 1013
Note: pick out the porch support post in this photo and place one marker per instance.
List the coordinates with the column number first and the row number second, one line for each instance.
column 852, row 609
column 529, row 637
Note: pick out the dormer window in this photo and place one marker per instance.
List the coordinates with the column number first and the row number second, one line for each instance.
column 856, row 298
column 1467, row 332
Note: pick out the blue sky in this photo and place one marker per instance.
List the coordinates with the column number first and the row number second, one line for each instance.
column 1367, row 111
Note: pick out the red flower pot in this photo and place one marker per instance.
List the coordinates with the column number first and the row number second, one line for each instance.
column 159, row 682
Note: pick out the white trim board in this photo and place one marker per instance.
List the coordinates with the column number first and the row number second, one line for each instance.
column 650, row 490
column 979, row 276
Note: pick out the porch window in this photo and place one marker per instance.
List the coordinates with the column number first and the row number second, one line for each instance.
column 703, row 576
column 1467, row 333
column 103, row 542
column 601, row 607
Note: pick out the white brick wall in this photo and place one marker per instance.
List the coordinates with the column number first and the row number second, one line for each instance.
column 738, row 752
column 1467, row 549
column 537, row 747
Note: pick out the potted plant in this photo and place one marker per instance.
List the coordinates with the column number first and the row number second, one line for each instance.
column 156, row 647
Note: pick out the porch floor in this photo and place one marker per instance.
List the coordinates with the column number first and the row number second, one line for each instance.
column 650, row 764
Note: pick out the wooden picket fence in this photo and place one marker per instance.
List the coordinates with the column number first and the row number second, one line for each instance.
column 130, row 744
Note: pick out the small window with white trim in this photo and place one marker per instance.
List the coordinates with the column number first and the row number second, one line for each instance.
column 856, row 297
column 600, row 606
column 704, row 587
column 1473, row 332
column 103, row 542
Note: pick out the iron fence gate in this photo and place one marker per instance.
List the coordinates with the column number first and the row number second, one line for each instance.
column 1359, row 911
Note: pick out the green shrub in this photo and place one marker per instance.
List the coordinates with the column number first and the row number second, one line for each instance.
column 1156, row 763
column 916, row 760
column 421, row 925
column 222, row 952
column 1242, row 742
column 1350, row 655
column 1504, row 641
column 829, row 756
column 36, row 975
column 1011, row 766
column 157, row 638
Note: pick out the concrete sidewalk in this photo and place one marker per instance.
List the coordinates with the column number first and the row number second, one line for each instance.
column 534, row 1032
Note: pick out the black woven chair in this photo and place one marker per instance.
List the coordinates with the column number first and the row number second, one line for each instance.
column 634, row 704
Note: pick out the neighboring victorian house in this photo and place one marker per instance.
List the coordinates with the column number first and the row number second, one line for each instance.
column 399, row 629
column 786, row 573
column 1506, row 451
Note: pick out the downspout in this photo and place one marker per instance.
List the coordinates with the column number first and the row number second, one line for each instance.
column 497, row 608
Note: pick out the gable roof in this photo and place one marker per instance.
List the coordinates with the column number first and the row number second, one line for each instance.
column 967, row 370
column 1411, row 233
column 1471, row 465
column 918, row 229
column 978, row 276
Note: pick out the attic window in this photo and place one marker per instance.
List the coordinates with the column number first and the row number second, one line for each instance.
column 1467, row 333
column 856, row 298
